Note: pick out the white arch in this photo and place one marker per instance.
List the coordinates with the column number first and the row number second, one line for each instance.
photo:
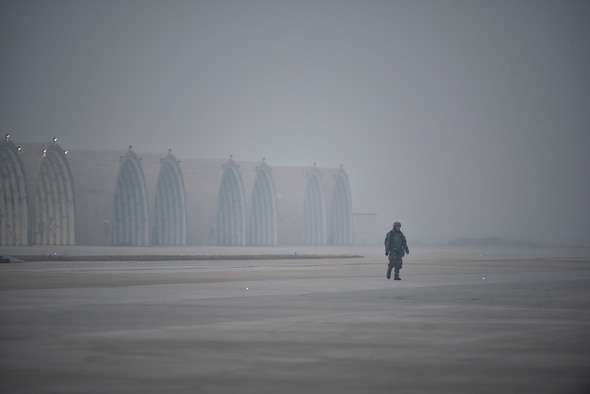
column 341, row 212
column 130, row 227
column 231, row 223
column 13, row 196
column 170, row 205
column 262, row 228
column 53, row 220
column 314, row 210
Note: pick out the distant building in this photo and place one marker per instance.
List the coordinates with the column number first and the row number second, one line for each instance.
column 49, row 196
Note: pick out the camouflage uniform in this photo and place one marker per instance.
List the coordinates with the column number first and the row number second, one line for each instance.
column 395, row 247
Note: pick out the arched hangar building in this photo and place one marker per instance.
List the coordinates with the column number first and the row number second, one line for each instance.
column 49, row 196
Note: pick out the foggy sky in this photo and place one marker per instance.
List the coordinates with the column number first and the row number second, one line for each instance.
column 457, row 118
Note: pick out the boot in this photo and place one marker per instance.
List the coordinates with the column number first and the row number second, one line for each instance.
column 389, row 273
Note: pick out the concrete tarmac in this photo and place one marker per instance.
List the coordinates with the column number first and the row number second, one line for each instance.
column 460, row 321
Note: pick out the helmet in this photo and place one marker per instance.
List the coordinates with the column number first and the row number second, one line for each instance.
column 397, row 224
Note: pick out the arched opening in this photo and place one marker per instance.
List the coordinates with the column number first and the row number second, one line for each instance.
column 231, row 227
column 13, row 196
column 314, row 210
column 130, row 228
column 341, row 212
column 170, row 213
column 262, row 229
column 53, row 221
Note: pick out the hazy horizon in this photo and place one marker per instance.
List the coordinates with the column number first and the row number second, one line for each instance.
column 457, row 118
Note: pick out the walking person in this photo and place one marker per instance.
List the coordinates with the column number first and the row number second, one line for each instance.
column 395, row 247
